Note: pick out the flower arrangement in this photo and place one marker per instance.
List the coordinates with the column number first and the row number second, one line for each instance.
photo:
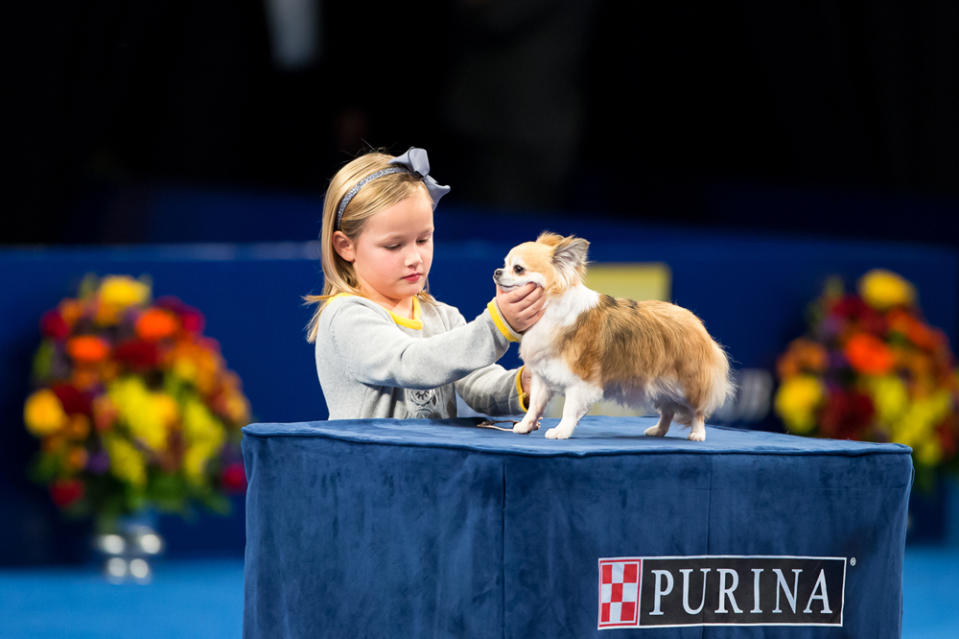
column 133, row 406
column 871, row 369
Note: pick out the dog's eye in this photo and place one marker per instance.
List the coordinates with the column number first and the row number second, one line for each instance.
column 518, row 269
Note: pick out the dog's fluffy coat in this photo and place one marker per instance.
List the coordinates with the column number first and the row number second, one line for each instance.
column 591, row 346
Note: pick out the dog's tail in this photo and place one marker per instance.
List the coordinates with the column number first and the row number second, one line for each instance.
column 719, row 384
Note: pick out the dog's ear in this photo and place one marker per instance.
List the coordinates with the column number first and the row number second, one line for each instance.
column 571, row 251
column 569, row 258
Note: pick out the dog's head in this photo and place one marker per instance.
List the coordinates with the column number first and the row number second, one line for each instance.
column 552, row 261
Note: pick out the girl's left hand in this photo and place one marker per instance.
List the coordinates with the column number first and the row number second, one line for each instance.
column 521, row 307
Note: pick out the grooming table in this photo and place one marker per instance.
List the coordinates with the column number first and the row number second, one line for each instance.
column 389, row 528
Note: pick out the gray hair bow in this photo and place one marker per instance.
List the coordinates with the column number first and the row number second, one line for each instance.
column 416, row 162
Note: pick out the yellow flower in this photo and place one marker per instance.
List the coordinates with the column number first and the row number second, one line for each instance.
column 146, row 414
column 199, row 425
column 43, row 413
column 929, row 453
column 126, row 462
column 166, row 407
column 185, row 369
column 917, row 424
column 123, row 291
column 797, row 401
column 204, row 436
column 195, row 460
column 889, row 396
column 883, row 289
column 116, row 294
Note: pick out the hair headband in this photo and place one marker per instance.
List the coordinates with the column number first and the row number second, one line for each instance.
column 414, row 161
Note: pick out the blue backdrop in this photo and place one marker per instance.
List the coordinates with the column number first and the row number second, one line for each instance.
column 750, row 290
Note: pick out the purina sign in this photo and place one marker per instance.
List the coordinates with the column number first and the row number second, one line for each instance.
column 714, row 590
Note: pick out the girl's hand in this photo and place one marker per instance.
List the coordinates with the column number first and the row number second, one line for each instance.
column 521, row 307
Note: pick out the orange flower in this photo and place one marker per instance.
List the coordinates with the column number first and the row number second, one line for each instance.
column 70, row 310
column 787, row 364
column 109, row 370
column 84, row 377
column 156, row 323
column 77, row 458
column 88, row 348
column 915, row 330
column 104, row 413
column 803, row 355
column 55, row 443
column 107, row 314
column 233, row 406
column 78, row 427
column 922, row 336
column 197, row 363
column 868, row 354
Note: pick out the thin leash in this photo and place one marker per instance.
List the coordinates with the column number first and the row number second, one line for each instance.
column 489, row 423
column 492, row 424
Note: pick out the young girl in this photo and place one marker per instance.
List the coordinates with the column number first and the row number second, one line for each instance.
column 384, row 346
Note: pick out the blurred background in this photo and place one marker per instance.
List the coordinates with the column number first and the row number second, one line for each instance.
column 736, row 155
column 825, row 118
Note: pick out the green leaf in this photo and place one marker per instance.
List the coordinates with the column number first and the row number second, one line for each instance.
column 88, row 286
column 217, row 503
column 42, row 367
column 46, row 468
column 167, row 491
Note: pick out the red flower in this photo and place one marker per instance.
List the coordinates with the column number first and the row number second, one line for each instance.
column 191, row 320
column 849, row 306
column 948, row 433
column 66, row 491
column 138, row 354
column 74, row 401
column 846, row 414
column 852, row 308
column 234, row 478
column 54, row 326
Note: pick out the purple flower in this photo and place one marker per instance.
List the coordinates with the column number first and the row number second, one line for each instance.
column 98, row 463
column 831, row 326
column 837, row 360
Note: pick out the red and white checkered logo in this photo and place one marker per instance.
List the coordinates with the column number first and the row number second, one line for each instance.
column 619, row 592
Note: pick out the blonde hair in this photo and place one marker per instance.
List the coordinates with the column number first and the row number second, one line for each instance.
column 374, row 196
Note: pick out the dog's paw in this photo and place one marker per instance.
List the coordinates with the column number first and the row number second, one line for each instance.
column 697, row 436
column 556, row 433
column 654, row 431
column 524, row 427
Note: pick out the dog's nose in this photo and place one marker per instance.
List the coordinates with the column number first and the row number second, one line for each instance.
column 498, row 272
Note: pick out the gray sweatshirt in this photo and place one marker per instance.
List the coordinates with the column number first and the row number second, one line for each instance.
column 372, row 363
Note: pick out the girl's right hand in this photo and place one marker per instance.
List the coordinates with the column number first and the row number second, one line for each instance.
column 521, row 307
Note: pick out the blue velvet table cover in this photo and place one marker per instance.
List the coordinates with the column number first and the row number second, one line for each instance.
column 403, row 528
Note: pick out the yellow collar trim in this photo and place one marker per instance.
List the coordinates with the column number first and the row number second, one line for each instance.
column 416, row 323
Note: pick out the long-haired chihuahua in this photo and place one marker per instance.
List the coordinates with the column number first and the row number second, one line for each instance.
column 591, row 346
